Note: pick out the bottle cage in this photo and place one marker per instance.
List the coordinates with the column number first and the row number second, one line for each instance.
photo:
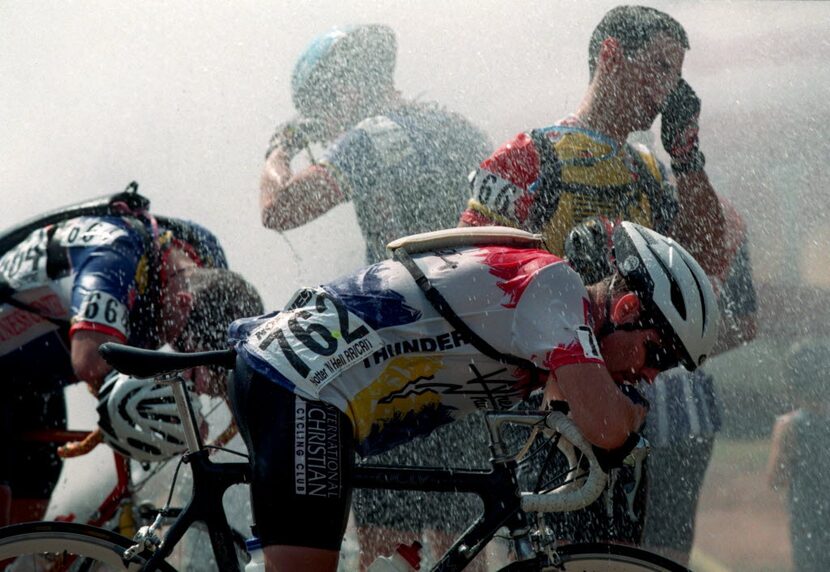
column 118, row 204
column 460, row 237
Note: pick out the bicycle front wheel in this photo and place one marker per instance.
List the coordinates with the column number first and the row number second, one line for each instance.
column 599, row 558
column 66, row 547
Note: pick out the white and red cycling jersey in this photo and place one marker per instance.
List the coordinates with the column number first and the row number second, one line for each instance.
column 372, row 345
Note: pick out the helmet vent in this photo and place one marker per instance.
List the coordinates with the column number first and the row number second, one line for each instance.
column 699, row 290
column 677, row 299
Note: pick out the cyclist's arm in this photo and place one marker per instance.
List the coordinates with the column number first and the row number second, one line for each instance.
column 104, row 285
column 778, row 475
column 87, row 363
column 499, row 187
column 289, row 200
column 604, row 415
column 699, row 224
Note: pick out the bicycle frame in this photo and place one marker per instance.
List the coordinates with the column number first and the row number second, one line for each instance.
column 498, row 488
column 210, row 481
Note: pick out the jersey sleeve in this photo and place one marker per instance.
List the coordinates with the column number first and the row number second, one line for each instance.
column 500, row 187
column 376, row 146
column 106, row 281
column 551, row 325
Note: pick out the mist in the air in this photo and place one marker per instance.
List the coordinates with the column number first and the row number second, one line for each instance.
column 183, row 98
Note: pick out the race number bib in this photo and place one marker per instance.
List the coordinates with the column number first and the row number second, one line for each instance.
column 90, row 232
column 24, row 266
column 104, row 309
column 495, row 193
column 313, row 341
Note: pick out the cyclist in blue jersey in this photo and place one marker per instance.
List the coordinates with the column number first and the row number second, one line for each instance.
column 365, row 363
column 403, row 164
column 69, row 287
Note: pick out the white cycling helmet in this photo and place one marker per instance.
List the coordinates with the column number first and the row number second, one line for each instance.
column 673, row 286
column 138, row 418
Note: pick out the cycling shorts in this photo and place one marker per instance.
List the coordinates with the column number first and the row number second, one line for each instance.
column 30, row 469
column 302, row 459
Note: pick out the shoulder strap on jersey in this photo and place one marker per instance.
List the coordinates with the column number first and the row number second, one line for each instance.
column 443, row 307
column 662, row 208
column 549, row 183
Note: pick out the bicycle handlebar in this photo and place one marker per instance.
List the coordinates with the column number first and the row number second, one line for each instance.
column 82, row 447
column 568, row 497
column 571, row 496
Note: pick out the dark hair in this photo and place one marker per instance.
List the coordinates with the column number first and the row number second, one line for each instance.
column 616, row 282
column 219, row 297
column 633, row 27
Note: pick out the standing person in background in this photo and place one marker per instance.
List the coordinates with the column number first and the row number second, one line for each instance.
column 551, row 179
column 685, row 411
column 798, row 460
column 404, row 165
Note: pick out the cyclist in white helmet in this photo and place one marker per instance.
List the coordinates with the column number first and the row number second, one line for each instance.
column 365, row 363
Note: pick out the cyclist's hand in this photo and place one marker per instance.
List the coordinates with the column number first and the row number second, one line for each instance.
column 637, row 399
column 632, row 393
column 296, row 134
column 679, row 130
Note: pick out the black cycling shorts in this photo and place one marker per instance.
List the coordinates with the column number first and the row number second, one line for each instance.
column 31, row 469
column 302, row 459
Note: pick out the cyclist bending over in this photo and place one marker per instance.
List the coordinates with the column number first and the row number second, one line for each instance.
column 366, row 362
column 69, row 287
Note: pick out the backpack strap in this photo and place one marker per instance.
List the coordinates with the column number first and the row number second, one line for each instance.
column 548, row 185
column 443, row 307
column 663, row 208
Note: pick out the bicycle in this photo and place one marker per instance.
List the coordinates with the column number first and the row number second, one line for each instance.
column 505, row 506
column 120, row 511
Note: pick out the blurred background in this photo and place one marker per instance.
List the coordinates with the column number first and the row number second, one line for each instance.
column 183, row 97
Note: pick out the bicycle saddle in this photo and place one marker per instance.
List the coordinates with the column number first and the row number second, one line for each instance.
column 148, row 363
